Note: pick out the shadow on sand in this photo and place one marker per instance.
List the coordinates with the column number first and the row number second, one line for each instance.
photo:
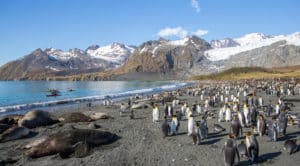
column 216, row 135
column 209, row 142
column 182, row 133
column 286, row 137
column 268, row 157
column 141, row 118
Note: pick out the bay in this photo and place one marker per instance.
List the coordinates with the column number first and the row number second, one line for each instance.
column 16, row 95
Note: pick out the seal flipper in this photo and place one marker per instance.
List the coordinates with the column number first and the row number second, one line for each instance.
column 67, row 151
column 64, row 154
column 81, row 150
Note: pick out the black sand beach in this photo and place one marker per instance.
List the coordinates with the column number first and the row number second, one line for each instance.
column 141, row 141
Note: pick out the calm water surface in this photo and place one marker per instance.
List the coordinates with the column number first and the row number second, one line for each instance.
column 16, row 93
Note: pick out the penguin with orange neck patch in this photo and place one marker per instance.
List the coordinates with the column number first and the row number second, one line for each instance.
column 252, row 147
column 261, row 125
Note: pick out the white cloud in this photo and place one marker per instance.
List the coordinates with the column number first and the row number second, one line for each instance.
column 200, row 32
column 177, row 31
column 180, row 32
column 195, row 5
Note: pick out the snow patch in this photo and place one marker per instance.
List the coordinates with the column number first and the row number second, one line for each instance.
column 179, row 42
column 250, row 42
column 116, row 53
column 52, row 68
column 61, row 55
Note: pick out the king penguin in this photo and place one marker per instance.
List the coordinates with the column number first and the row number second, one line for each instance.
column 261, row 125
column 231, row 154
column 242, row 148
column 236, row 128
column 165, row 127
column 252, row 147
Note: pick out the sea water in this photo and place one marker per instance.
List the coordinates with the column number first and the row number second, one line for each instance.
column 24, row 95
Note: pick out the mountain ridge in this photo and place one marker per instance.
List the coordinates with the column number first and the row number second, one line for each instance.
column 175, row 59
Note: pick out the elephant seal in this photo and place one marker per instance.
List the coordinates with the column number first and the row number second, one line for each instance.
column 140, row 105
column 290, row 146
column 97, row 115
column 14, row 133
column 93, row 125
column 3, row 127
column 37, row 118
column 74, row 117
column 66, row 142
column 35, row 142
column 10, row 119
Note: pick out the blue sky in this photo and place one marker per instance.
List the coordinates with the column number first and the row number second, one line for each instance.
column 29, row 24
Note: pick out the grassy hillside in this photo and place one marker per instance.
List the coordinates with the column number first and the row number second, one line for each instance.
column 252, row 73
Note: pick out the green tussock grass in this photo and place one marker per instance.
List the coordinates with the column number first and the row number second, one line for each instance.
column 251, row 73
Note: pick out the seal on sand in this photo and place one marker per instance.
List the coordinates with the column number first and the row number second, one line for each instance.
column 290, row 146
column 10, row 119
column 37, row 118
column 74, row 117
column 97, row 115
column 3, row 127
column 67, row 142
column 14, row 133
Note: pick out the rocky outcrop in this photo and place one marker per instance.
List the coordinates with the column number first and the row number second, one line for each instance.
column 175, row 58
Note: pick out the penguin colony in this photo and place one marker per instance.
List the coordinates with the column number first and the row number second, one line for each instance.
column 254, row 110
column 249, row 115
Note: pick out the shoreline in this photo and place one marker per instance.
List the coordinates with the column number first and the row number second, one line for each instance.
column 141, row 141
column 94, row 100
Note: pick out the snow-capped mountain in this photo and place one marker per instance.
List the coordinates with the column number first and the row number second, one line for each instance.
column 250, row 42
column 173, row 59
column 55, row 62
column 156, row 46
column 223, row 43
column 192, row 55
column 116, row 52
column 64, row 56
column 252, row 39
column 166, row 57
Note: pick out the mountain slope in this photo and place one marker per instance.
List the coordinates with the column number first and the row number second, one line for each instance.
column 250, row 42
column 162, row 59
column 166, row 57
column 41, row 64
